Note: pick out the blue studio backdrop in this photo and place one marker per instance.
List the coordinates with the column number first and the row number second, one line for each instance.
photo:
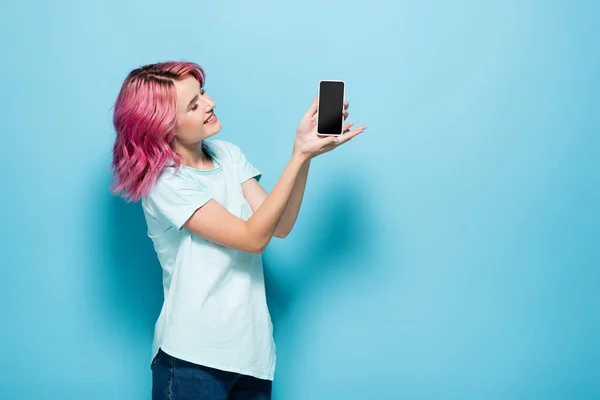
column 450, row 252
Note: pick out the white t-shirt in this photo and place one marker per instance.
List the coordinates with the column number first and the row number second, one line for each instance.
column 215, row 310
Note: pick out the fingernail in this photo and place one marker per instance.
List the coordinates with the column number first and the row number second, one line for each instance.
column 335, row 140
column 364, row 129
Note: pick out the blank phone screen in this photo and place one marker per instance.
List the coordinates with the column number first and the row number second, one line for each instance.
column 331, row 104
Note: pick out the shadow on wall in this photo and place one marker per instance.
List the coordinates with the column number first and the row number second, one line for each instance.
column 342, row 233
column 130, row 283
column 131, row 279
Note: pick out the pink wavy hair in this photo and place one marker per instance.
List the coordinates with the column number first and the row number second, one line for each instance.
column 144, row 119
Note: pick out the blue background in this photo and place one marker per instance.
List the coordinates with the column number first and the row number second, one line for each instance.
column 450, row 252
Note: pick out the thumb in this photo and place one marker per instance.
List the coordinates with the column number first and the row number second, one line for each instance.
column 313, row 108
column 332, row 141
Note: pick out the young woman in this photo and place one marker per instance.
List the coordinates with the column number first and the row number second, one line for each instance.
column 209, row 220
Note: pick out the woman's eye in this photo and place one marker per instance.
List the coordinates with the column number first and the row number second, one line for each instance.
column 195, row 107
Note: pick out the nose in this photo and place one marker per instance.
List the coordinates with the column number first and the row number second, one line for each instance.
column 210, row 104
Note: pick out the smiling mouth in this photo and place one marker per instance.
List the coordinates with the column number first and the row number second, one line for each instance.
column 211, row 118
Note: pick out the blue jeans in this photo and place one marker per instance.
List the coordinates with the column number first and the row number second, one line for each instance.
column 175, row 379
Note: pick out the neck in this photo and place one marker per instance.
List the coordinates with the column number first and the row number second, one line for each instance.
column 193, row 155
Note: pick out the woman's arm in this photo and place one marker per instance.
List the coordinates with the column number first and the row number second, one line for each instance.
column 214, row 222
column 255, row 194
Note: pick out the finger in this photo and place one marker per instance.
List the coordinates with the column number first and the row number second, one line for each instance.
column 313, row 108
column 346, row 105
column 326, row 140
column 333, row 143
column 350, row 135
column 329, row 143
column 348, row 126
column 345, row 114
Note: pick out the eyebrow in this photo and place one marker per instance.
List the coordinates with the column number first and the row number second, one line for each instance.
column 192, row 102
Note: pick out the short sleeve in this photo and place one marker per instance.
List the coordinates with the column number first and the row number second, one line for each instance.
column 176, row 197
column 244, row 168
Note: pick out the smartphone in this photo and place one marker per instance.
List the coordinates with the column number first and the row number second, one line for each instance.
column 330, row 118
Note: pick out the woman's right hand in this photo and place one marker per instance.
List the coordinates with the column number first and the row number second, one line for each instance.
column 309, row 145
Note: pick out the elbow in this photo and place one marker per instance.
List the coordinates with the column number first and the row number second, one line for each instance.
column 257, row 247
column 282, row 232
column 257, row 250
column 281, row 235
column 254, row 243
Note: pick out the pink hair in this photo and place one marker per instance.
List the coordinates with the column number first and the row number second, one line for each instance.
column 144, row 118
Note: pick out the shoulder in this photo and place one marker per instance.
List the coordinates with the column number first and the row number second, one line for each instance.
column 172, row 177
column 175, row 195
column 224, row 149
column 172, row 182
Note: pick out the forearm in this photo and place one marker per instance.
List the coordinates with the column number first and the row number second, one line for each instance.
column 290, row 214
column 263, row 223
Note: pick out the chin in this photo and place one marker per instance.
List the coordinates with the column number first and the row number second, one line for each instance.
column 212, row 130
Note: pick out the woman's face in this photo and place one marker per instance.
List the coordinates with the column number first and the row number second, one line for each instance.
column 196, row 120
